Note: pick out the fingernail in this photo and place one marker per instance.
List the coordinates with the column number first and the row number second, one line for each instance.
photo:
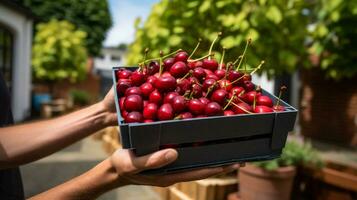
column 170, row 156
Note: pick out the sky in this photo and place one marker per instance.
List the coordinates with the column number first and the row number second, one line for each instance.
column 124, row 13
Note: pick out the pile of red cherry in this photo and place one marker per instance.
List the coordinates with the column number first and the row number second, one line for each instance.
column 179, row 87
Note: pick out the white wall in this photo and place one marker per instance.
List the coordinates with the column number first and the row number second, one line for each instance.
column 107, row 62
column 21, row 26
column 264, row 82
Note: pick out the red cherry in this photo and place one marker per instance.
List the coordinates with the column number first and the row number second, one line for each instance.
column 153, row 67
column 263, row 109
column 264, row 101
column 219, row 96
column 184, row 84
column 133, row 90
column 249, row 96
column 212, row 76
column 279, row 108
column 124, row 113
column 165, row 112
column 199, row 73
column 133, row 102
column 196, row 106
column 150, row 111
column 145, row 103
column 248, row 86
column 237, row 90
column 168, row 62
column 222, row 66
column 186, row 115
column 170, row 96
column 225, row 84
column 208, row 83
column 123, row 74
column 207, row 71
column 146, row 89
column 137, row 78
column 148, row 120
column 241, row 108
column 155, row 97
column 220, row 73
column 196, row 91
column 228, row 113
column 121, row 103
column 122, row 86
column 213, row 109
column 198, row 64
column 234, row 75
column 193, row 80
column 165, row 83
column 134, row 117
column 151, row 79
column 181, row 56
column 179, row 69
column 210, row 64
column 247, row 77
column 204, row 100
column 178, row 104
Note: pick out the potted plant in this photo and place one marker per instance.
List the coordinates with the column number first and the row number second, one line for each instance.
column 273, row 179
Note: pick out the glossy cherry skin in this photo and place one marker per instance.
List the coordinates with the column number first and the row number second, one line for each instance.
column 210, row 64
column 209, row 83
column 193, row 80
column 184, row 84
column 219, row 96
column 198, row 64
column 153, row 67
column 168, row 62
column 241, row 108
column 220, row 73
column 150, row 111
column 204, row 100
column 123, row 74
column 228, row 113
column 156, row 97
column 121, row 103
column 212, row 76
column 263, row 100
column 137, row 78
column 146, row 89
column 186, row 115
column 249, row 96
column 237, row 90
column 178, row 104
column 196, row 107
column 165, row 112
column 213, row 109
column 133, row 102
column 263, row 109
column 122, row 86
column 234, row 75
column 170, row 96
column 124, row 113
column 133, row 90
column 179, row 69
column 222, row 66
column 134, row 117
column 225, row 84
column 151, row 79
column 145, row 103
column 165, row 83
column 148, row 120
column 181, row 56
column 279, row 108
column 196, row 91
column 248, row 86
column 199, row 73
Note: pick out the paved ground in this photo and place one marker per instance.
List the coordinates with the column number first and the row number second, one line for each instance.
column 71, row 162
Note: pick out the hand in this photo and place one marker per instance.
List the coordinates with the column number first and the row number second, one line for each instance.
column 108, row 103
column 127, row 167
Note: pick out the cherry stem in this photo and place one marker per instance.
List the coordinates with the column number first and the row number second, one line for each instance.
column 222, row 58
column 145, row 55
column 210, row 89
column 160, row 63
column 235, row 62
column 230, row 101
column 194, row 50
column 187, row 93
column 229, row 65
column 240, row 107
column 245, row 50
column 203, row 57
column 162, row 57
column 282, row 88
column 254, row 101
column 178, row 117
column 187, row 74
column 211, row 47
column 257, row 68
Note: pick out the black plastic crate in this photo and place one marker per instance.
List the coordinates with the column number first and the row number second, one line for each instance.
column 223, row 139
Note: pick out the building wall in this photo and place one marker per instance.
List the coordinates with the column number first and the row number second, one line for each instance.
column 107, row 61
column 22, row 27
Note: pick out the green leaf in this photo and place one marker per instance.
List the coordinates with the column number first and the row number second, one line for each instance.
column 274, row 14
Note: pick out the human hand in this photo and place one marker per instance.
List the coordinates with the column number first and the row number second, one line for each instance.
column 127, row 167
column 108, row 104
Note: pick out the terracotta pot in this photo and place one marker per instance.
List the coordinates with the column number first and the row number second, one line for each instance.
column 258, row 184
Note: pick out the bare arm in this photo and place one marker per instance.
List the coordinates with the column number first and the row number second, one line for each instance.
column 21, row 144
column 121, row 169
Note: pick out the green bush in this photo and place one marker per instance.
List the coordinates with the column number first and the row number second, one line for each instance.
column 294, row 154
column 58, row 52
column 80, row 97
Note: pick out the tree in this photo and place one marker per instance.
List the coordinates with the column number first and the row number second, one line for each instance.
column 91, row 16
column 58, row 52
column 280, row 31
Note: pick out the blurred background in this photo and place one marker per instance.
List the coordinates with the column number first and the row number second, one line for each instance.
column 57, row 56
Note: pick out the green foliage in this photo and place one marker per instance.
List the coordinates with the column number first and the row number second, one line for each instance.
column 80, row 97
column 58, row 52
column 294, row 154
column 280, row 31
column 91, row 16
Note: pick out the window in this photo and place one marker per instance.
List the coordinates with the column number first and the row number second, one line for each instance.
column 116, row 58
column 6, row 55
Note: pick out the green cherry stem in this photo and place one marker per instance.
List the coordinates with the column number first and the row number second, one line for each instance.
column 194, row 50
column 249, row 41
column 211, row 47
column 282, row 88
column 145, row 55
column 160, row 63
column 240, row 107
column 222, row 58
column 230, row 101
column 203, row 57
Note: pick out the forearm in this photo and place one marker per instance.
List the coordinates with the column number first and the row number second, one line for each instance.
column 89, row 185
column 25, row 143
